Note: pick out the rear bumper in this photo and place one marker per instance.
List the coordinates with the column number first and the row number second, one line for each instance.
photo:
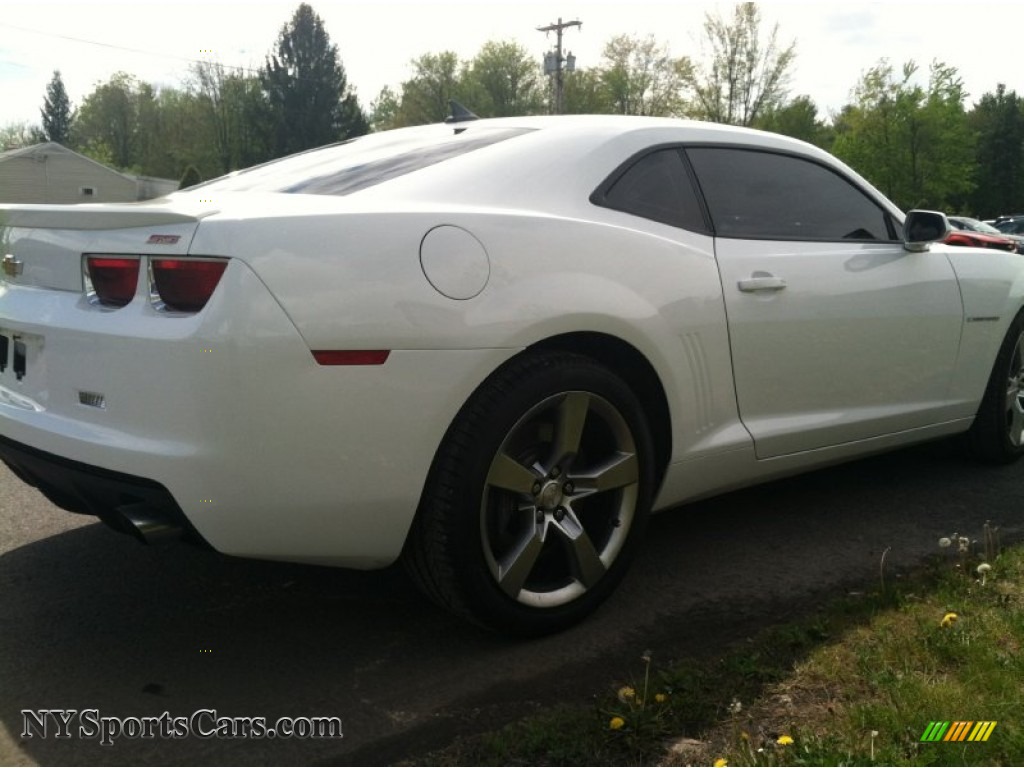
column 114, row 497
column 225, row 424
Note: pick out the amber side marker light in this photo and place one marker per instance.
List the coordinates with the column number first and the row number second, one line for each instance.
column 351, row 356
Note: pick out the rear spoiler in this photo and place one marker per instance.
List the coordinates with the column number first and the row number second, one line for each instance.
column 99, row 216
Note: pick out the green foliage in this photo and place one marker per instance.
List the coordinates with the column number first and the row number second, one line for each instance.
column 436, row 79
column 914, row 143
column 108, row 121
column 307, row 91
column 743, row 75
column 503, row 80
column 584, row 93
column 917, row 144
column 56, row 112
column 857, row 683
column 19, row 134
column 235, row 114
column 384, row 110
column 799, row 119
column 640, row 77
column 998, row 121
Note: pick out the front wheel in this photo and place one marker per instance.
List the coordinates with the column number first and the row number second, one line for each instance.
column 538, row 496
column 997, row 435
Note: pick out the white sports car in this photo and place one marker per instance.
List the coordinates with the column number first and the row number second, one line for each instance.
column 490, row 348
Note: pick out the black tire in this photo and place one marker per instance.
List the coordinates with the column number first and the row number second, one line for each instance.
column 538, row 496
column 997, row 435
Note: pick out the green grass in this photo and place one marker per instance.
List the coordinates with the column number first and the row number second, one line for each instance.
column 857, row 684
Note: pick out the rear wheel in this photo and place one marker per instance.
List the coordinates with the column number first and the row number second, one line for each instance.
column 997, row 434
column 538, row 496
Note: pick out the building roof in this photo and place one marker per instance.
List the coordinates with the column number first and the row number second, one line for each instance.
column 53, row 148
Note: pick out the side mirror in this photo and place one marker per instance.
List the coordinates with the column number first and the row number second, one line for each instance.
column 922, row 228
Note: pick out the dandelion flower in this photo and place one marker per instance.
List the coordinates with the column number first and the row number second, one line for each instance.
column 945, row 542
column 983, row 570
column 964, row 543
column 721, row 763
column 784, row 740
column 661, row 698
column 616, row 723
column 626, row 694
column 948, row 620
column 735, row 707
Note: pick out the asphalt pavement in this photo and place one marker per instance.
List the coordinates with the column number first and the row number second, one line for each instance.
column 92, row 621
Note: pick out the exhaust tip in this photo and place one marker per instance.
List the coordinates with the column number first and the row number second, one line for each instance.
column 148, row 525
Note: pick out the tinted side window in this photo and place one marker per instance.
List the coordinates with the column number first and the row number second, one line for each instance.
column 657, row 187
column 754, row 194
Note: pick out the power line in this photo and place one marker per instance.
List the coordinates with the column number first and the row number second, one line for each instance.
column 112, row 46
column 246, row 70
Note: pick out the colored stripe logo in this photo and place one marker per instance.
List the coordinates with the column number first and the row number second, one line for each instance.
column 960, row 730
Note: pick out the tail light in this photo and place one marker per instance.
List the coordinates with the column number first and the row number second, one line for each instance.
column 185, row 285
column 112, row 280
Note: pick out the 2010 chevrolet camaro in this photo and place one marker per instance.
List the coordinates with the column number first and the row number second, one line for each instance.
column 490, row 348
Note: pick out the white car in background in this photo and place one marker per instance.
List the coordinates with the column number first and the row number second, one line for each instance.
column 490, row 348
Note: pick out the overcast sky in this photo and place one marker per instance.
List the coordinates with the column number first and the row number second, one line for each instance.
column 836, row 42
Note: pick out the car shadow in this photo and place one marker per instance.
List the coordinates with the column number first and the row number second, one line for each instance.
column 94, row 621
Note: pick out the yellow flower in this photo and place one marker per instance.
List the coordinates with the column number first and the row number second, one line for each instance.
column 948, row 620
column 615, row 723
column 784, row 740
column 626, row 694
column 661, row 698
column 721, row 763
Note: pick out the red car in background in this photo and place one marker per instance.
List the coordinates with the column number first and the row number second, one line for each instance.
column 978, row 234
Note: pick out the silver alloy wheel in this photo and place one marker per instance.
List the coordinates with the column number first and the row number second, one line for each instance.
column 1015, row 395
column 559, row 499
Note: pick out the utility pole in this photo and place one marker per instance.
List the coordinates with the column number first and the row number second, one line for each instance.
column 553, row 61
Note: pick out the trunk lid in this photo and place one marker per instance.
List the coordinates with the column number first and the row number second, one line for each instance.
column 42, row 245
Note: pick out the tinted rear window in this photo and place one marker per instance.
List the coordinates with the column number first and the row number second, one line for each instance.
column 342, row 169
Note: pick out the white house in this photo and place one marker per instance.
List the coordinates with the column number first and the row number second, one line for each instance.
column 51, row 173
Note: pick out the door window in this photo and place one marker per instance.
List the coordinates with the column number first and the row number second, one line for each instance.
column 769, row 196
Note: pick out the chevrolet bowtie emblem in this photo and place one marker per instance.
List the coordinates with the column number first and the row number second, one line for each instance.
column 12, row 267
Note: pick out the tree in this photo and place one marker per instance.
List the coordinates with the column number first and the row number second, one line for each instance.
column 799, row 119
column 56, row 111
column 436, row 79
column 503, row 80
column 106, row 124
column 384, row 110
column 640, row 77
column 998, row 120
column 236, row 111
column 746, row 75
column 18, row 135
column 585, row 93
column 307, row 89
column 913, row 143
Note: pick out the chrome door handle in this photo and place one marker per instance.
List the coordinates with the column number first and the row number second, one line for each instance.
column 761, row 283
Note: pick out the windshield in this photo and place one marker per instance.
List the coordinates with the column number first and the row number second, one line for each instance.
column 973, row 225
column 341, row 169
